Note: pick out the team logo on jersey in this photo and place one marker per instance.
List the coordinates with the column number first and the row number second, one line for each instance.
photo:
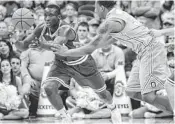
column 153, row 84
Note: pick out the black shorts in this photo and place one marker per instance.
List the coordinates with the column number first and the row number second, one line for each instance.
column 84, row 71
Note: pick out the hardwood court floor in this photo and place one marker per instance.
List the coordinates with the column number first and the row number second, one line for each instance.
column 125, row 120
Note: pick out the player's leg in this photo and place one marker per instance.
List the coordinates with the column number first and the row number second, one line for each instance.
column 170, row 86
column 97, row 83
column 17, row 114
column 153, row 74
column 86, row 74
column 53, row 82
column 133, row 89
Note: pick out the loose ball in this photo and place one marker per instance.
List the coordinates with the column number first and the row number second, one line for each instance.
column 23, row 19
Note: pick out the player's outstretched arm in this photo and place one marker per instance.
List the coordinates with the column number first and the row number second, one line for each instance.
column 158, row 33
column 23, row 45
column 101, row 40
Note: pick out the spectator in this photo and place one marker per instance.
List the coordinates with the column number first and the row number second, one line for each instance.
column 3, row 11
column 126, row 6
column 16, row 65
column 28, row 4
column 108, row 59
column 82, row 34
column 71, row 14
column 149, row 10
column 168, row 5
column 11, row 7
column 32, row 65
column 6, row 50
column 85, row 103
column 7, row 78
column 4, row 34
column 85, row 16
column 8, row 21
column 93, row 25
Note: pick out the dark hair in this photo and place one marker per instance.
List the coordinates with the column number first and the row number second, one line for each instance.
column 55, row 7
column 168, row 7
column 15, row 57
column 83, row 24
column 12, row 76
column 108, row 3
column 11, row 52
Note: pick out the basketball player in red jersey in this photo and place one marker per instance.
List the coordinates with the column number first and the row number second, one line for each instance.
column 150, row 73
column 82, row 69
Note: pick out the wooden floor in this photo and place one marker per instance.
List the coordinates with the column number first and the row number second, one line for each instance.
column 125, row 120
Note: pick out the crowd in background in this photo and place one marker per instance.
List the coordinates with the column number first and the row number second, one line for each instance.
column 79, row 15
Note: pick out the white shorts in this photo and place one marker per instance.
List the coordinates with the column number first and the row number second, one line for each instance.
column 149, row 72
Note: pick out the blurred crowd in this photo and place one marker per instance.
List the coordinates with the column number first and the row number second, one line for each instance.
column 81, row 16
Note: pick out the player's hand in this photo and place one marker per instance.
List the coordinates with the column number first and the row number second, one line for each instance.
column 59, row 50
column 105, row 76
column 155, row 33
column 60, row 40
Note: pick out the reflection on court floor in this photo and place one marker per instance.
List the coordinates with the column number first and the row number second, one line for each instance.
column 125, row 120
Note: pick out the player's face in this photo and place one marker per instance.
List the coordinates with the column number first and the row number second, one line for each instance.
column 51, row 17
column 4, row 48
column 5, row 67
column 99, row 10
column 82, row 32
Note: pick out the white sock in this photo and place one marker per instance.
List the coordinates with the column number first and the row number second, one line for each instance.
column 112, row 106
column 63, row 112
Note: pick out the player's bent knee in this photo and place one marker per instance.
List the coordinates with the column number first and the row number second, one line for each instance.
column 149, row 97
column 131, row 94
column 49, row 88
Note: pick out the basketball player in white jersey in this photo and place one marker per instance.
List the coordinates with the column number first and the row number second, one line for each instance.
column 149, row 74
column 170, row 84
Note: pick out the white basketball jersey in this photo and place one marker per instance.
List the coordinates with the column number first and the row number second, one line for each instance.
column 134, row 35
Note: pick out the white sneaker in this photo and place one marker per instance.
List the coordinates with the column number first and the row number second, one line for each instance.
column 116, row 116
column 149, row 115
column 67, row 119
column 58, row 115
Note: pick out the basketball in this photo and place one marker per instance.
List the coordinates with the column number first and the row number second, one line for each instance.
column 23, row 19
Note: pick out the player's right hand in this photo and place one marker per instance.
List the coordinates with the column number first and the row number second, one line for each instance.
column 59, row 50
